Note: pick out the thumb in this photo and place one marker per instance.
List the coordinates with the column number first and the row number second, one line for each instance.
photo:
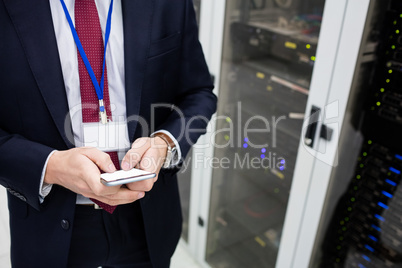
column 101, row 159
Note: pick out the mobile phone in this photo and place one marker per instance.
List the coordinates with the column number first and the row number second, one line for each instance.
column 123, row 177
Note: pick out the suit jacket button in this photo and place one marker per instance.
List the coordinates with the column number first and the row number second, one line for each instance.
column 65, row 224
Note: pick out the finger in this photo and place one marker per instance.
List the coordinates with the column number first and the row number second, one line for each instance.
column 90, row 180
column 124, row 196
column 134, row 155
column 101, row 159
column 99, row 189
column 153, row 160
column 142, row 186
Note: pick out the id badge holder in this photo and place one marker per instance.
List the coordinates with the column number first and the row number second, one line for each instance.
column 109, row 137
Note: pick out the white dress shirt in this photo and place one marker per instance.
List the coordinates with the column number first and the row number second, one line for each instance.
column 115, row 72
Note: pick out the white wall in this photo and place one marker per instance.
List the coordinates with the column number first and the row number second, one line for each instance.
column 4, row 231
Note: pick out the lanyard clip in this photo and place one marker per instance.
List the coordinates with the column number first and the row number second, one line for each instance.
column 102, row 112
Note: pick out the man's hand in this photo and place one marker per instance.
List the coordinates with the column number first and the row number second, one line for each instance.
column 78, row 170
column 147, row 154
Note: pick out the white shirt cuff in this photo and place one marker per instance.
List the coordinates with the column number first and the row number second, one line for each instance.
column 177, row 154
column 45, row 188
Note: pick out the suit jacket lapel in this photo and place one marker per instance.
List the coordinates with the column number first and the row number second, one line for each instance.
column 137, row 21
column 33, row 21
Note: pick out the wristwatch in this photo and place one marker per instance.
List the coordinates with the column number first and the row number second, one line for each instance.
column 171, row 148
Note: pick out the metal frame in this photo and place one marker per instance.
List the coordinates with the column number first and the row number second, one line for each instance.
column 327, row 52
column 349, row 53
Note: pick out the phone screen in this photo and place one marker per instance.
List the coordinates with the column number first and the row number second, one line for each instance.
column 122, row 177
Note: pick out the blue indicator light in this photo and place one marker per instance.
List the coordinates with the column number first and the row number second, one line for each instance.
column 387, row 194
column 263, row 156
column 395, row 170
column 379, row 217
column 373, row 238
column 376, row 227
column 245, row 145
column 361, row 266
column 263, row 150
column 283, row 161
column 390, row 182
column 369, row 248
column 282, row 168
column 366, row 258
column 382, row 205
column 398, row 156
column 246, row 139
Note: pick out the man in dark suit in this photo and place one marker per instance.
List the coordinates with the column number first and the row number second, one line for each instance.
column 163, row 63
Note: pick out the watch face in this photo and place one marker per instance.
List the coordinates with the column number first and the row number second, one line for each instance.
column 168, row 159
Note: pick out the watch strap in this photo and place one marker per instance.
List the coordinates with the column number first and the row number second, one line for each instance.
column 166, row 138
column 171, row 147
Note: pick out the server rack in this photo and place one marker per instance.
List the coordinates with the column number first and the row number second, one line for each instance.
column 365, row 226
column 240, row 220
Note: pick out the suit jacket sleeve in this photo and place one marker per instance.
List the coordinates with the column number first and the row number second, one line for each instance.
column 22, row 163
column 196, row 102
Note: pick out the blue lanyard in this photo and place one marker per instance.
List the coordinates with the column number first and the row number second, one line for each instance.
column 98, row 87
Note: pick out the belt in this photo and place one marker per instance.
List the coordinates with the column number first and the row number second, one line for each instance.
column 95, row 206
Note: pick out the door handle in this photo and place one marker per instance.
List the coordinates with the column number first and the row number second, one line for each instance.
column 312, row 126
column 326, row 133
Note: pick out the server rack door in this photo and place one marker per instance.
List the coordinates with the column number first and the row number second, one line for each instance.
column 273, row 83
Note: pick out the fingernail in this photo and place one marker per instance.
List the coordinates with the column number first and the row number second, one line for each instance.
column 141, row 195
column 112, row 168
column 125, row 165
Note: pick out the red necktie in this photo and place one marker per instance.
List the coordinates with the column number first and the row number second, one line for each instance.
column 89, row 31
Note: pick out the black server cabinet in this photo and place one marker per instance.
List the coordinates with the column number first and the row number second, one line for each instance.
column 366, row 226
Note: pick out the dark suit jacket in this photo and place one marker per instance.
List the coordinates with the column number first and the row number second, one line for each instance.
column 164, row 64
